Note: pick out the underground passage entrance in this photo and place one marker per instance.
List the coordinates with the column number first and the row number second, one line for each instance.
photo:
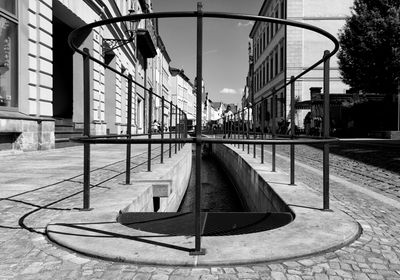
column 223, row 212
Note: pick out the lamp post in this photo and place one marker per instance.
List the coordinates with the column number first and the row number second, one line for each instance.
column 131, row 28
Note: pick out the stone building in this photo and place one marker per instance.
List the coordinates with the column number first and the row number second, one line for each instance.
column 41, row 78
column 278, row 52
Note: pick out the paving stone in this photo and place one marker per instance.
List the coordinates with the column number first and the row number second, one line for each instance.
column 248, row 275
column 147, row 269
column 293, row 277
column 229, row 270
column 320, row 276
column 200, row 271
column 241, row 269
column 227, row 277
column 216, row 270
column 140, row 276
column 209, row 277
column 276, row 275
column 159, row 277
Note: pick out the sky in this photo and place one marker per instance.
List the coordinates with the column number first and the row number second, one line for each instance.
column 225, row 44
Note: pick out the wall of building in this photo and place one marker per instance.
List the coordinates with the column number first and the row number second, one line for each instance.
column 305, row 47
column 50, row 75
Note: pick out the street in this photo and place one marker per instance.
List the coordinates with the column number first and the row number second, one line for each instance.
column 27, row 254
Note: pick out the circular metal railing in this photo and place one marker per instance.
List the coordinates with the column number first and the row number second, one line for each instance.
column 87, row 139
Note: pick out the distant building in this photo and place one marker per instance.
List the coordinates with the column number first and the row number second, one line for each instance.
column 182, row 92
column 278, row 52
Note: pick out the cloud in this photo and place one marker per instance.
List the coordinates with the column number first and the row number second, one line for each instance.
column 228, row 91
column 245, row 24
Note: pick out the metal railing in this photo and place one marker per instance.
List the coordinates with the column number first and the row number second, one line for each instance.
column 181, row 138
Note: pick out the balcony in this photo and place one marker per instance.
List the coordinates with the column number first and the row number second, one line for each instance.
column 146, row 39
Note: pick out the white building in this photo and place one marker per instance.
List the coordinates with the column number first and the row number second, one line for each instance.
column 280, row 52
column 41, row 78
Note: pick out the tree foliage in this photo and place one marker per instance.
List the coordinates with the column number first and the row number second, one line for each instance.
column 369, row 58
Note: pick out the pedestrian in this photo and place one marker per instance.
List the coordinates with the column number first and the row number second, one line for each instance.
column 156, row 126
column 228, row 116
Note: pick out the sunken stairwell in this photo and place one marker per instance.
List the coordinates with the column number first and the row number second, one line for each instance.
column 64, row 130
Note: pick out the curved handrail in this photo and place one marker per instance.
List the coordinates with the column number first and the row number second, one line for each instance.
column 81, row 30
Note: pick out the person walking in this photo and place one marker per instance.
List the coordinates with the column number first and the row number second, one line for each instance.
column 228, row 116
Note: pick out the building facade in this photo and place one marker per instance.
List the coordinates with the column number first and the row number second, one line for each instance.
column 41, row 78
column 279, row 52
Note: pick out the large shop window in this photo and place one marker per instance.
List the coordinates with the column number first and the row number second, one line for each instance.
column 8, row 58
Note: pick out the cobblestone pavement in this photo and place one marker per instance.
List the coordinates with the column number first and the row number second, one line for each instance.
column 27, row 254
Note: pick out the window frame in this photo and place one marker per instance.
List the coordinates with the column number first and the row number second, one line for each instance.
column 14, row 19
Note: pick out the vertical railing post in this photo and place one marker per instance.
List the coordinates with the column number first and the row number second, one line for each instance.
column 273, row 130
column 149, row 132
column 224, row 126
column 262, row 129
column 170, row 126
column 254, row 134
column 86, row 129
column 326, row 132
column 199, row 78
column 162, row 129
column 243, row 128
column 129, row 132
column 292, row 131
column 176, row 127
column 179, row 131
column 248, row 126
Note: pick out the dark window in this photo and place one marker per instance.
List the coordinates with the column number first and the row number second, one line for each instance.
column 264, row 40
column 9, row 6
column 276, row 62
column 271, row 68
column 282, row 9
column 263, row 74
column 282, row 57
column 267, row 34
column 267, row 70
column 8, row 59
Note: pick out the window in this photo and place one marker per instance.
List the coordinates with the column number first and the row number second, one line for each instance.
column 282, row 56
column 282, row 9
column 271, row 69
column 264, row 40
column 8, row 54
column 267, row 34
column 263, row 74
column 276, row 62
column 267, row 74
column 8, row 6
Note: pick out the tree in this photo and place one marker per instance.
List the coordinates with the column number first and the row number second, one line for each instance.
column 369, row 58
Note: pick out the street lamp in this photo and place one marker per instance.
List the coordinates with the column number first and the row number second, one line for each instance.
column 131, row 28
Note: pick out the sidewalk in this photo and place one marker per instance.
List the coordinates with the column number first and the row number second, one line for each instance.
column 26, row 253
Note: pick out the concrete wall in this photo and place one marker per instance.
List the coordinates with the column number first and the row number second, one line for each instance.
column 34, row 134
column 167, row 182
column 254, row 190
